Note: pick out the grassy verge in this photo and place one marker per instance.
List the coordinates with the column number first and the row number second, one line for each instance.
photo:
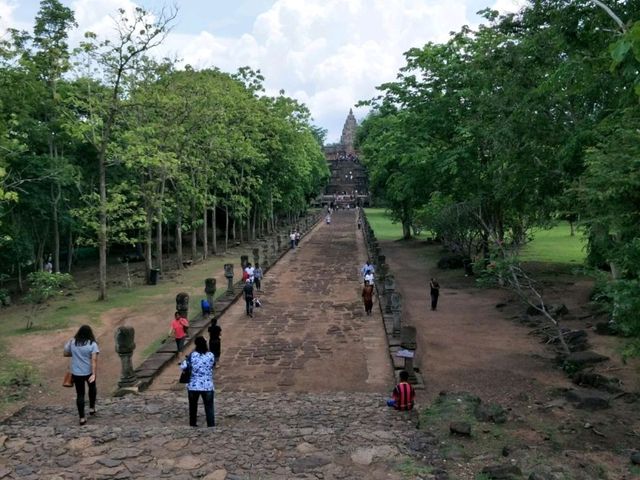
column 382, row 225
column 555, row 245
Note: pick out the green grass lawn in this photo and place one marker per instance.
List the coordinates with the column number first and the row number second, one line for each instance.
column 555, row 245
column 382, row 225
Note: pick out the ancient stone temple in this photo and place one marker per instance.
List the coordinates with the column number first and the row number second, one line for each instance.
column 348, row 185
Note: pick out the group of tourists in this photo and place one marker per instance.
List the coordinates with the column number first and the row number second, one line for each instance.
column 294, row 239
column 252, row 278
column 200, row 363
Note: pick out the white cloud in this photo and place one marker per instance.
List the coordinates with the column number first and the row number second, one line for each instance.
column 7, row 17
column 327, row 53
column 509, row 6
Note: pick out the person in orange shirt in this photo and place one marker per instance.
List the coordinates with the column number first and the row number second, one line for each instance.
column 179, row 326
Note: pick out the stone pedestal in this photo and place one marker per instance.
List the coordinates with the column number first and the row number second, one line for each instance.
column 210, row 291
column 228, row 273
column 182, row 304
column 265, row 256
column 244, row 260
column 125, row 345
column 389, row 289
column 395, row 310
column 256, row 256
column 408, row 341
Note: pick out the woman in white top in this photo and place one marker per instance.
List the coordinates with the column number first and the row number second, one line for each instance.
column 83, row 350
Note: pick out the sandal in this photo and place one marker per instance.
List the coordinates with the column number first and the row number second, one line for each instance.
column 83, row 421
column 92, row 411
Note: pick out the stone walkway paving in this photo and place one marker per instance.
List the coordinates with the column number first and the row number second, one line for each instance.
column 311, row 334
column 258, row 436
column 300, row 393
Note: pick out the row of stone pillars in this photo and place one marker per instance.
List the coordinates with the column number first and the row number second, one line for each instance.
column 401, row 338
column 267, row 253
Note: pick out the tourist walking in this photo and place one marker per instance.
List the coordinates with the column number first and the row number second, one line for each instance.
column 292, row 240
column 201, row 362
column 434, row 287
column 83, row 350
column 367, row 268
column 179, row 328
column 404, row 395
column 297, row 237
column 249, row 270
column 367, row 297
column 215, row 344
column 257, row 276
column 247, row 291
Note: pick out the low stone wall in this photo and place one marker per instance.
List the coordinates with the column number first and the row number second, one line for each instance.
column 400, row 338
column 269, row 250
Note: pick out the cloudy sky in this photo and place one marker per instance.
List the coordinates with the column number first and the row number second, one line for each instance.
column 327, row 53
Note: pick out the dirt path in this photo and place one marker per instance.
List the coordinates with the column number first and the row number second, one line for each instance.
column 467, row 344
column 151, row 323
column 311, row 334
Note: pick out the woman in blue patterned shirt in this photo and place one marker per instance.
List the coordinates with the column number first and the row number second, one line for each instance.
column 201, row 383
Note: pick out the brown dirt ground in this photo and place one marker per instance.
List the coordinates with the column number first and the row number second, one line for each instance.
column 150, row 318
column 470, row 345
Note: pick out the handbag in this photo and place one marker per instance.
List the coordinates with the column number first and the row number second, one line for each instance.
column 185, row 375
column 68, row 379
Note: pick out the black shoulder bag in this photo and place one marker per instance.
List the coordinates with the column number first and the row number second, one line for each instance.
column 185, row 376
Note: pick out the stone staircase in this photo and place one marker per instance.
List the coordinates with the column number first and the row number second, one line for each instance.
column 274, row 436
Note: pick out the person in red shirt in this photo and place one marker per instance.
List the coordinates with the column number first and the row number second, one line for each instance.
column 179, row 327
column 404, row 394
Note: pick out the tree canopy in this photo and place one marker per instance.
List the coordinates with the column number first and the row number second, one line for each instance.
column 106, row 146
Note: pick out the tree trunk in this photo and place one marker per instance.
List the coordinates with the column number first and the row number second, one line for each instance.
column 226, row 228
column 233, row 229
column 205, row 234
column 214, row 230
column 148, row 240
column 179, row 240
column 406, row 229
column 102, row 229
column 70, row 250
column 20, row 285
column 572, row 227
column 56, row 231
column 194, row 237
column 159, row 242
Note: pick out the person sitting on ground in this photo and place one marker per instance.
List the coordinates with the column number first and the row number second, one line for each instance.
column 403, row 395
column 247, row 291
column 215, row 344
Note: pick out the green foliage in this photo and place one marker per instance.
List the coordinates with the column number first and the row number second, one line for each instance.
column 16, row 377
column 410, row 469
column 42, row 287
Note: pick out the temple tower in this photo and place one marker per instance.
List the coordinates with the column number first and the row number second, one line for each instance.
column 349, row 185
